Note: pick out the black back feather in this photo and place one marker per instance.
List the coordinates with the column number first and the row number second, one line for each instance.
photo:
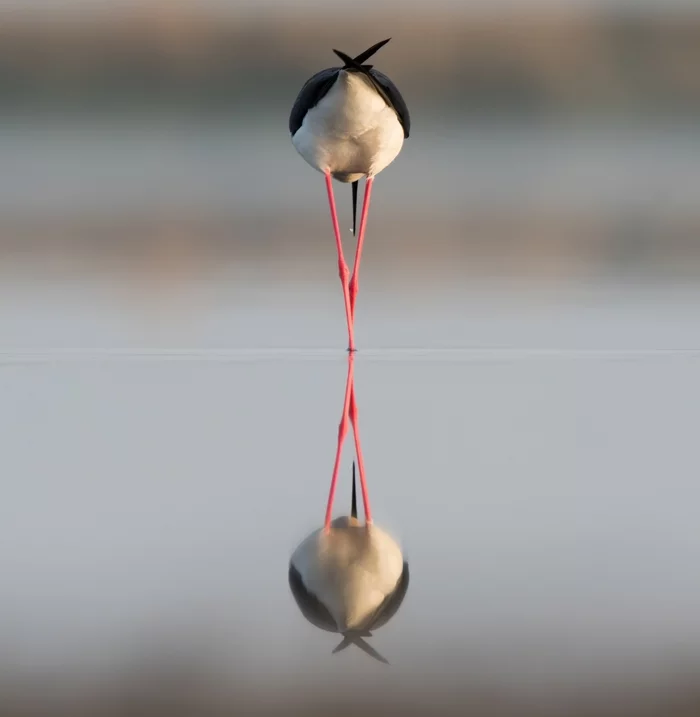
column 313, row 91
column 394, row 99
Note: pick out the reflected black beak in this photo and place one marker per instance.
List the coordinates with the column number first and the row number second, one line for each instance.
column 353, row 506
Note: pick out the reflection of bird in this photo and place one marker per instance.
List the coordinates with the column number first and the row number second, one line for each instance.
column 350, row 579
column 349, row 416
column 350, row 122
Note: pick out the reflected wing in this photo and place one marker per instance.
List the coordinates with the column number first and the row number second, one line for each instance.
column 311, row 608
column 391, row 603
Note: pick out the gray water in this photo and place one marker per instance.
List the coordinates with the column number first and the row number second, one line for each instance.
column 533, row 449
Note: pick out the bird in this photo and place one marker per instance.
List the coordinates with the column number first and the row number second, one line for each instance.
column 350, row 580
column 350, row 122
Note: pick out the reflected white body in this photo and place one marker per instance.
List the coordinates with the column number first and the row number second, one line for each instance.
column 351, row 569
column 351, row 132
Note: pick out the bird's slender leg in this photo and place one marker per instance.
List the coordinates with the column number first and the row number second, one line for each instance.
column 343, row 270
column 358, row 449
column 360, row 242
column 342, row 432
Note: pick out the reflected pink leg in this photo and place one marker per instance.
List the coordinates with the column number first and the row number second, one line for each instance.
column 342, row 432
column 360, row 242
column 343, row 270
column 358, row 449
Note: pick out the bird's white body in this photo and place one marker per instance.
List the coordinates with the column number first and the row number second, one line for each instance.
column 351, row 132
column 350, row 569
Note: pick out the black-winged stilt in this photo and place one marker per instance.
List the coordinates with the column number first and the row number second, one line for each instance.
column 350, row 122
column 350, row 579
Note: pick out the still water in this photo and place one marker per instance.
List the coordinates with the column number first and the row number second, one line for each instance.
column 535, row 452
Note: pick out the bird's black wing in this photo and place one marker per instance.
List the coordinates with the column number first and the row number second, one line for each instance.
column 313, row 91
column 391, row 92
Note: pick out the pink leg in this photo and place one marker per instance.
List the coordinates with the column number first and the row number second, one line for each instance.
column 342, row 266
column 342, row 432
column 358, row 449
column 360, row 242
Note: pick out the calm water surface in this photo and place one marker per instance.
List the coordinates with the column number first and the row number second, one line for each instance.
column 536, row 454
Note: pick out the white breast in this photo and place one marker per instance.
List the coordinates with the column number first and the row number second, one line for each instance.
column 351, row 569
column 351, row 132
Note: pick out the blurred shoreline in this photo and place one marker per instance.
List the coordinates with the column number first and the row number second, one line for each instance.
column 545, row 139
column 530, row 61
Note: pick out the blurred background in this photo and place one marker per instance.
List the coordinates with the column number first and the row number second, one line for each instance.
column 170, row 310
column 550, row 138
